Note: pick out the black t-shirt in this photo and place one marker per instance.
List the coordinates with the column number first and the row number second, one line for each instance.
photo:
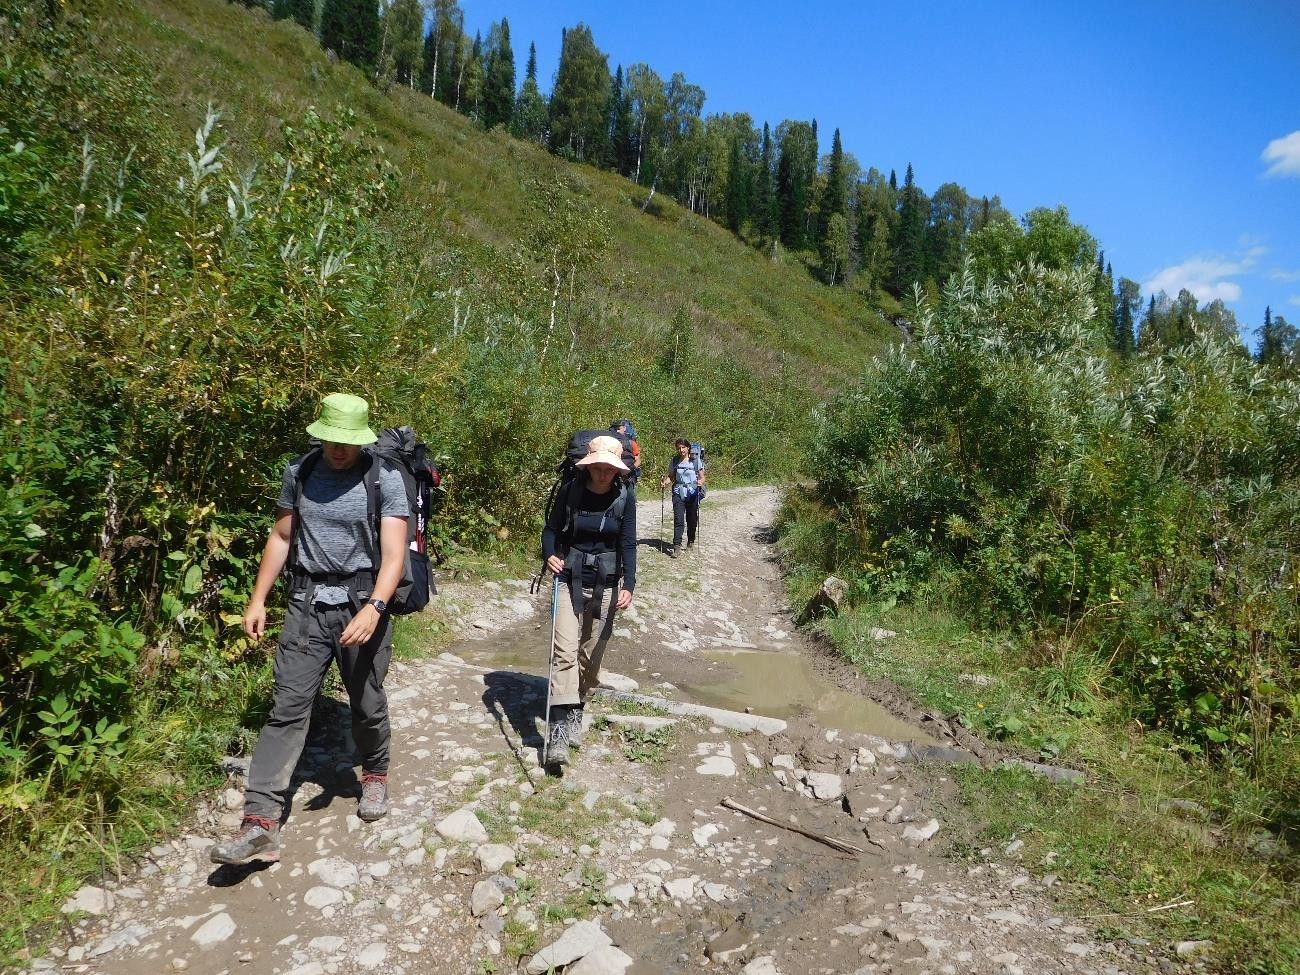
column 594, row 531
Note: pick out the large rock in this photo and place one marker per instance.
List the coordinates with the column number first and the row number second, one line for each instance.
column 827, row 600
column 319, row 897
column 608, row 960
column 617, row 682
column 492, row 857
column 334, row 872
column 89, row 900
column 372, row 955
column 916, row 835
column 825, row 785
column 717, row 765
column 463, row 826
column 578, row 941
column 762, row 965
column 485, row 898
column 214, row 930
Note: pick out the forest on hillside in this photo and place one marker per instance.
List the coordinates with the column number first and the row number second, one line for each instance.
column 770, row 185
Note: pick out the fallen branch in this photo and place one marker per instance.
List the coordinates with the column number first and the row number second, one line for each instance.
column 830, row 841
column 1149, row 910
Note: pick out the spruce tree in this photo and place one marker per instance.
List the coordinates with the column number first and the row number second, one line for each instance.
column 428, row 62
column 834, row 197
column 302, row 11
column 737, row 188
column 350, row 28
column 580, row 98
column 764, row 199
column 622, row 151
column 499, row 84
column 909, row 244
column 529, row 118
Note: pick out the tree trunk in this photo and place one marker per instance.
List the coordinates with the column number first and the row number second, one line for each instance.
column 646, row 205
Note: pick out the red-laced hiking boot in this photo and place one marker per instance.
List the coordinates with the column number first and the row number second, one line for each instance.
column 258, row 839
column 374, row 797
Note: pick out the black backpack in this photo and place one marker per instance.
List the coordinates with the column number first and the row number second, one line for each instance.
column 568, row 467
column 399, row 449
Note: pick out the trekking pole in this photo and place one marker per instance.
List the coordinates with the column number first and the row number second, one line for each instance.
column 550, row 669
column 662, row 537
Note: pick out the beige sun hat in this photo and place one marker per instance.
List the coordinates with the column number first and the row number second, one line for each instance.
column 604, row 450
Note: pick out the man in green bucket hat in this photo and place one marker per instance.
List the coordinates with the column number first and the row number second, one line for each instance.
column 341, row 573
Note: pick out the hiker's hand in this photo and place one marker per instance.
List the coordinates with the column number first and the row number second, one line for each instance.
column 624, row 599
column 664, row 482
column 555, row 564
column 255, row 621
column 362, row 627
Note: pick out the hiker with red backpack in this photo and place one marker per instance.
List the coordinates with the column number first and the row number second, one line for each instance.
column 589, row 545
column 349, row 539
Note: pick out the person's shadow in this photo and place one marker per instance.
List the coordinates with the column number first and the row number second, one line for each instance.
column 328, row 747
column 516, row 699
column 658, row 544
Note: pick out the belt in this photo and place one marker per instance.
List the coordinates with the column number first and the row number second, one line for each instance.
column 606, row 568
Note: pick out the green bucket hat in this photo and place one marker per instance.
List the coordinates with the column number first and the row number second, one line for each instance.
column 343, row 419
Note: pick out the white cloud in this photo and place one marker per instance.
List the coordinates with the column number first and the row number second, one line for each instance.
column 1283, row 155
column 1294, row 300
column 1205, row 277
column 1285, row 276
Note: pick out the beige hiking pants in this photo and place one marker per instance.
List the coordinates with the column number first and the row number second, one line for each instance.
column 579, row 646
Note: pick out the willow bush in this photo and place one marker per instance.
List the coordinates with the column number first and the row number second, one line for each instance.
column 1145, row 514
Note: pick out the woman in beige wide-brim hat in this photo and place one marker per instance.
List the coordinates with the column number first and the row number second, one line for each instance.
column 589, row 542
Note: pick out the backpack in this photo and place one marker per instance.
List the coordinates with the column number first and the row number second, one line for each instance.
column 567, row 489
column 399, row 449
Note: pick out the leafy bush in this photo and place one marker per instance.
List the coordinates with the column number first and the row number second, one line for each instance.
column 1141, row 519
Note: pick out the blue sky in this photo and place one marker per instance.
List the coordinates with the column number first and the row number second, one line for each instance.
column 1171, row 130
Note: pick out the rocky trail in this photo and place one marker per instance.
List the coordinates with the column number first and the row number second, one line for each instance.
column 629, row 863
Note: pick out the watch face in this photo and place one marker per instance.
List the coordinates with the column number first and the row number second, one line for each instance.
column 379, row 604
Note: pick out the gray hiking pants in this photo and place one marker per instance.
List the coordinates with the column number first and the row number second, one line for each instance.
column 308, row 645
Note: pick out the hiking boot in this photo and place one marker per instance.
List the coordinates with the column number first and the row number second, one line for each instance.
column 374, row 798
column 557, row 736
column 574, row 728
column 677, row 550
column 257, row 839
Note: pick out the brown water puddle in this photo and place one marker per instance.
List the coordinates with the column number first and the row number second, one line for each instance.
column 776, row 683
column 782, row 684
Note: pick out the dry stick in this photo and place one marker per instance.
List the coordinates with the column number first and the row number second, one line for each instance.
column 819, row 837
column 1149, row 910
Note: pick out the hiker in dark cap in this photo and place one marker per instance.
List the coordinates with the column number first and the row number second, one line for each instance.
column 341, row 577
column 685, row 476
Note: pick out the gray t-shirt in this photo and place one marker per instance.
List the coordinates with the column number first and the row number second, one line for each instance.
column 334, row 530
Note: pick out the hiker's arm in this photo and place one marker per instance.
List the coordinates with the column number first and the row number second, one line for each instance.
column 551, row 535
column 392, row 560
column 273, row 558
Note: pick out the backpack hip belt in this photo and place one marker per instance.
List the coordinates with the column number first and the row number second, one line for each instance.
column 300, row 581
column 608, row 569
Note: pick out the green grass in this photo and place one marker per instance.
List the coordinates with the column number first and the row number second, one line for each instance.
column 1121, row 849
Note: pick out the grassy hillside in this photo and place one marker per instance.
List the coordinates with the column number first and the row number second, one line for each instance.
column 471, row 190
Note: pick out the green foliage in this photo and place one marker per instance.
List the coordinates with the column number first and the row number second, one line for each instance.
column 1141, row 519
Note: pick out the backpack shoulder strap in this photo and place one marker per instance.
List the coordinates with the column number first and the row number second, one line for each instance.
column 371, row 481
column 306, row 464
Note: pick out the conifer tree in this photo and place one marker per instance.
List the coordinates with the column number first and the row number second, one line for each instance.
column 580, row 98
column 469, row 90
column 764, row 198
column 302, row 11
column 499, row 83
column 1128, row 299
column 737, row 193
column 835, row 196
column 622, row 151
column 909, row 245
column 448, row 50
column 795, row 169
column 529, row 118
column 893, row 179
column 350, row 28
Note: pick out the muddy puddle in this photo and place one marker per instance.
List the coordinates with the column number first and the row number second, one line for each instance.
column 776, row 683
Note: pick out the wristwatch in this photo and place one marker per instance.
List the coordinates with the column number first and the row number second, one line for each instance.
column 380, row 605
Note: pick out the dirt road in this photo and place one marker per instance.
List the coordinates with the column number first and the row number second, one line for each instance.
column 629, row 863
